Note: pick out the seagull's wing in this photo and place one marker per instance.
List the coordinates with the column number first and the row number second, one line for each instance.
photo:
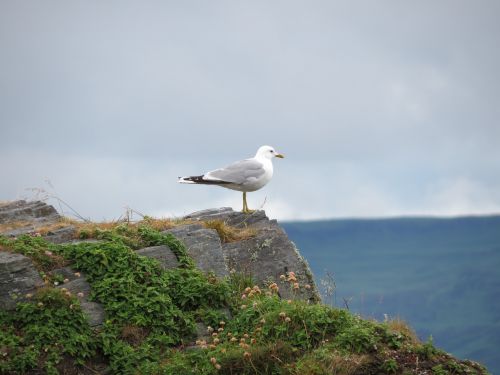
column 237, row 173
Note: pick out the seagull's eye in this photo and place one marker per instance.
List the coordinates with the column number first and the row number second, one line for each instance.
column 271, row 151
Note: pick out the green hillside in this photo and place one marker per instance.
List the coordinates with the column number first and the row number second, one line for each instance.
column 440, row 275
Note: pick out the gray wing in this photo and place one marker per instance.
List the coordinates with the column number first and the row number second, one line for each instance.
column 239, row 172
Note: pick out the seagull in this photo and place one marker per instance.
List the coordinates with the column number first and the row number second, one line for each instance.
column 244, row 175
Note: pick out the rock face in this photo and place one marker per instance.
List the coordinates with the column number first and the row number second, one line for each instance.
column 162, row 254
column 265, row 256
column 28, row 216
column 79, row 287
column 204, row 246
column 18, row 277
column 30, row 212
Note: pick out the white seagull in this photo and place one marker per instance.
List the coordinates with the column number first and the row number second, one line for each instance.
column 244, row 175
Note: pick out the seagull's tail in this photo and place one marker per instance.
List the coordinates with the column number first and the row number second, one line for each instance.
column 200, row 180
column 189, row 180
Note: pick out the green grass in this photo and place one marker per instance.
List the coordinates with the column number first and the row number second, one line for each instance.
column 151, row 315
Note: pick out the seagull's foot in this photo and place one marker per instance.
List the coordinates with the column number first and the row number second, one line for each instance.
column 248, row 211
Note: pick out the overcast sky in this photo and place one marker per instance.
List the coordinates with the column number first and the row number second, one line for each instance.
column 382, row 108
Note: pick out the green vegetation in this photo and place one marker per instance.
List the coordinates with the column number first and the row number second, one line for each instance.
column 151, row 316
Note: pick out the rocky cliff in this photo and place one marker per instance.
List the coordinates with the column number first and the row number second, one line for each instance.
column 266, row 254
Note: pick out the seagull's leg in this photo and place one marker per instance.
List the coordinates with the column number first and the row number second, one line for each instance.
column 246, row 210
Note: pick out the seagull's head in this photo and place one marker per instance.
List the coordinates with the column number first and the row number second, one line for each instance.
column 268, row 152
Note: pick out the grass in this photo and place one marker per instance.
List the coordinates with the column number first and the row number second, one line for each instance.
column 228, row 233
column 151, row 315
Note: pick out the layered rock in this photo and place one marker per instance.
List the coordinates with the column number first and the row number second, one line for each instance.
column 18, row 277
column 265, row 256
column 204, row 246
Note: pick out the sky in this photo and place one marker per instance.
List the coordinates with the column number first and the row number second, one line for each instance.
column 382, row 108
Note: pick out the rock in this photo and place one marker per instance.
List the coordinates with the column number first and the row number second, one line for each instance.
column 256, row 219
column 32, row 212
column 61, row 235
column 18, row 277
column 162, row 254
column 204, row 246
column 78, row 284
column 267, row 255
column 28, row 216
column 94, row 312
column 65, row 273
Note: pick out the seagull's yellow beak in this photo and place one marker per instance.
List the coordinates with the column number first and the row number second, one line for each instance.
column 281, row 156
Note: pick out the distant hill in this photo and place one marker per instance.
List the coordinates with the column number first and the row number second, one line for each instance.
column 442, row 275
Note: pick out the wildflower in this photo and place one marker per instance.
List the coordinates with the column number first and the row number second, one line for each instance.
column 287, row 319
column 212, row 346
column 217, row 366
column 40, row 304
column 262, row 321
column 64, row 290
column 269, row 294
column 248, row 289
column 232, row 270
column 247, row 355
column 245, row 335
column 253, row 341
column 254, row 305
column 258, row 329
column 233, row 339
column 282, row 277
column 68, row 293
column 220, row 329
column 66, row 281
column 77, row 274
column 307, row 286
column 243, row 296
column 242, row 339
column 216, row 341
column 29, row 295
column 56, row 283
column 289, row 301
column 273, row 286
column 291, row 276
column 243, row 307
column 214, row 334
column 80, row 294
column 48, row 253
column 213, row 360
column 223, row 350
column 295, row 285
column 210, row 329
column 282, row 314
column 229, row 334
column 222, row 323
